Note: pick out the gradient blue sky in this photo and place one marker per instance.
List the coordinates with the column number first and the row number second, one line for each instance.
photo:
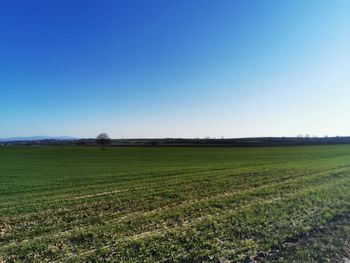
column 173, row 68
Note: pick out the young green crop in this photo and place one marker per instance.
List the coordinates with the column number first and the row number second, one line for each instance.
column 159, row 204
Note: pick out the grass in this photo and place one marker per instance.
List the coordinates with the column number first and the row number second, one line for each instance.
column 73, row 204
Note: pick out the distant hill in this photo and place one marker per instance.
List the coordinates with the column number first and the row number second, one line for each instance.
column 37, row 138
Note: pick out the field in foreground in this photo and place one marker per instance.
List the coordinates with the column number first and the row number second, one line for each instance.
column 72, row 204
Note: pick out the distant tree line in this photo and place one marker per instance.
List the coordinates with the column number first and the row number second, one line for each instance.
column 102, row 140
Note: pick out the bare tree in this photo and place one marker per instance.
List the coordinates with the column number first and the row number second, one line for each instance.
column 103, row 139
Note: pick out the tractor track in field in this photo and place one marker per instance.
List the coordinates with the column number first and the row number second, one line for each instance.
column 164, row 208
column 128, row 216
column 100, row 194
column 162, row 230
column 187, row 202
column 152, row 187
column 128, row 189
column 261, row 256
column 172, row 184
column 154, row 211
column 156, row 187
column 79, row 197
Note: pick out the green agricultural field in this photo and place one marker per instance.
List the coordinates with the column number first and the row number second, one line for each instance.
column 73, row 204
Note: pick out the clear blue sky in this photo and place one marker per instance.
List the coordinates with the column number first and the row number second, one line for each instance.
column 175, row 68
